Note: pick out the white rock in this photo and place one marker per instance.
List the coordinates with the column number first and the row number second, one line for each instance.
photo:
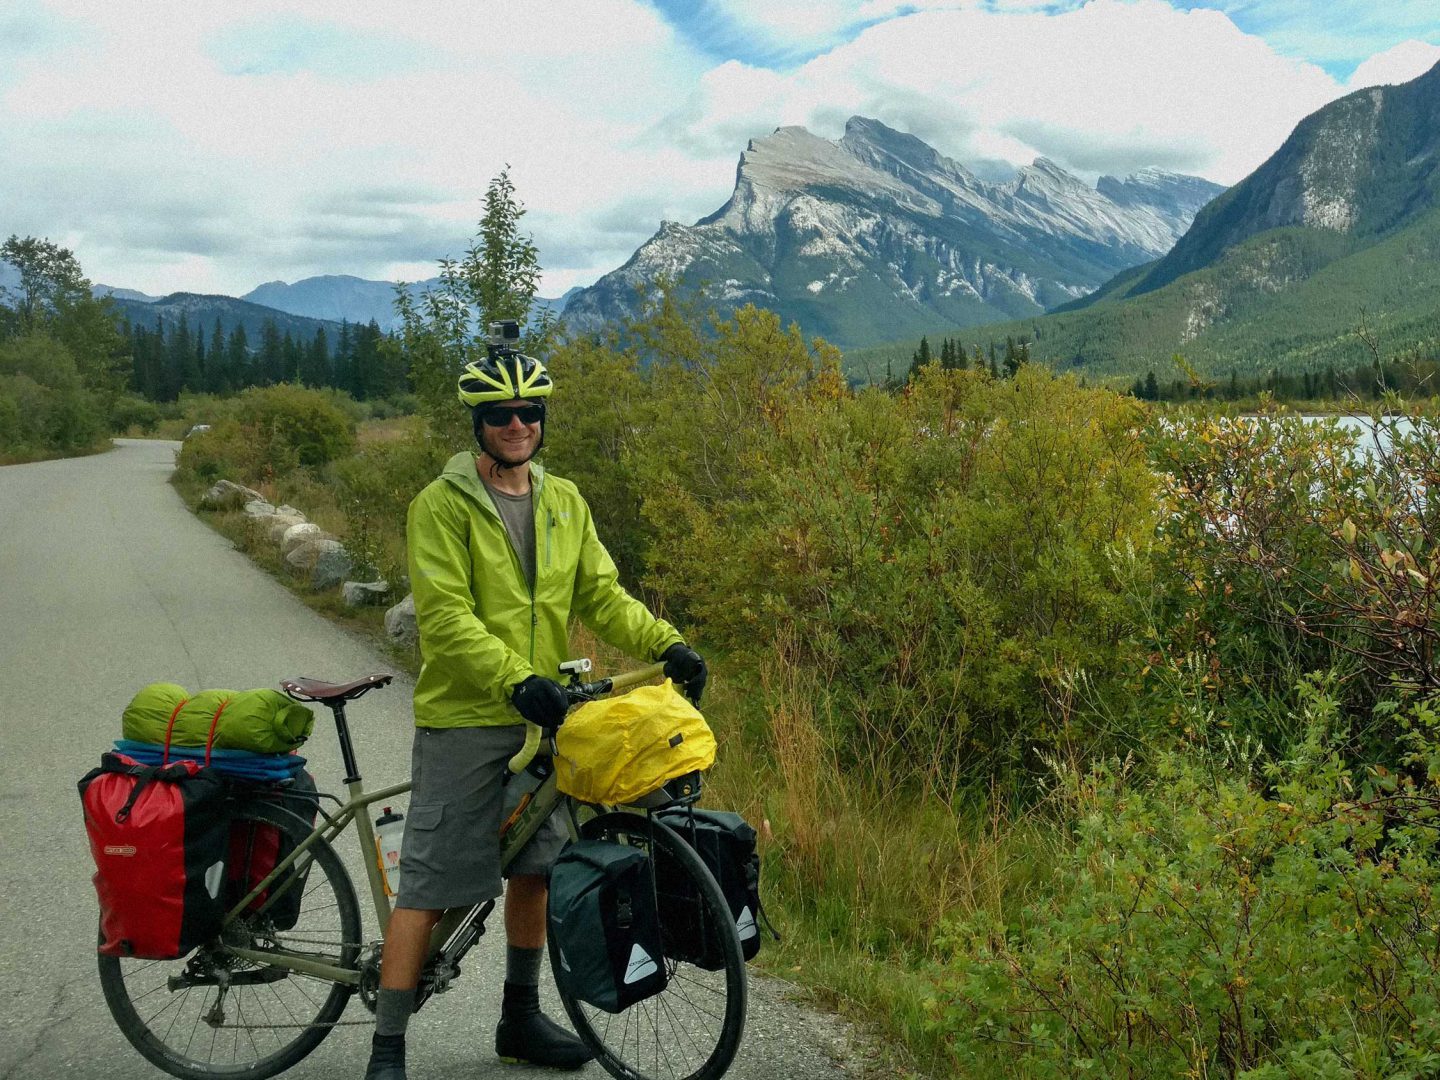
column 259, row 508
column 280, row 523
column 400, row 622
column 364, row 593
column 297, row 534
column 326, row 562
column 228, row 495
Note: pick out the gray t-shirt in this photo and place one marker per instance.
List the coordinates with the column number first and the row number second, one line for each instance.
column 518, row 514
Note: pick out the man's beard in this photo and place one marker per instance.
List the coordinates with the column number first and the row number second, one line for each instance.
column 498, row 456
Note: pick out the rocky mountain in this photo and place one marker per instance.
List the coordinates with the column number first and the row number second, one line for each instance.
column 358, row 300
column 1361, row 167
column 874, row 235
column 1338, row 231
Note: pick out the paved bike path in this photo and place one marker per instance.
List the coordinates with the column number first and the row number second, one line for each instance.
column 108, row 582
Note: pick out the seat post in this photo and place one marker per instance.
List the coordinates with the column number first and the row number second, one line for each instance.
column 347, row 748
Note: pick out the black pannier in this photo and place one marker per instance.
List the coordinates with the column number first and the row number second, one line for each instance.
column 257, row 847
column 726, row 845
column 603, row 921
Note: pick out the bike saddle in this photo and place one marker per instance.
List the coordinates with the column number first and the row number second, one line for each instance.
column 303, row 689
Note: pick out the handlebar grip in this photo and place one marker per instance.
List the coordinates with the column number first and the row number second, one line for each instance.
column 626, row 679
column 526, row 753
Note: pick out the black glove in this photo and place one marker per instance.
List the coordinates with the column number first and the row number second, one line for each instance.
column 685, row 668
column 541, row 701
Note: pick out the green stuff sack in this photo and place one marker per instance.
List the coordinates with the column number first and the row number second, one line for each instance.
column 622, row 748
column 148, row 714
column 260, row 721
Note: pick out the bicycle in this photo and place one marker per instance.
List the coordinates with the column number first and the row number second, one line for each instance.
column 267, row 991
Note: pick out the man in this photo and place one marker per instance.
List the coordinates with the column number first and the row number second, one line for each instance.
column 500, row 556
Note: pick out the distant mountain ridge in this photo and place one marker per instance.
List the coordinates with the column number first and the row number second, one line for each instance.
column 878, row 233
column 340, row 297
column 201, row 313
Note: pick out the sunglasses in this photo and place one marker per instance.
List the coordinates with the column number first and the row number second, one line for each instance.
column 500, row 417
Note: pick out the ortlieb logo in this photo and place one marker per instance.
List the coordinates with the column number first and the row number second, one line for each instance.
column 120, row 849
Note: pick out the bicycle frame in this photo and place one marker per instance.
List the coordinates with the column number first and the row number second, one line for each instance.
column 523, row 824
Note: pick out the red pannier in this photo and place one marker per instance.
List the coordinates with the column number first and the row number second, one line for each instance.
column 159, row 835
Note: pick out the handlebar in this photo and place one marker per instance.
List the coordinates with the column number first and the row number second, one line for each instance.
column 579, row 693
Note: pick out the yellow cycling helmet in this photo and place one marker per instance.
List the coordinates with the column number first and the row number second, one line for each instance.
column 504, row 376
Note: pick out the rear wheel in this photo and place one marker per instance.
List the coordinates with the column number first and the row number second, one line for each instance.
column 691, row 1029
column 212, row 1014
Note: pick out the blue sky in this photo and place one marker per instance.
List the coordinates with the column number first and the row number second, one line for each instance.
column 212, row 147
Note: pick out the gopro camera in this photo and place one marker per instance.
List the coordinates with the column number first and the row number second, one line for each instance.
column 505, row 333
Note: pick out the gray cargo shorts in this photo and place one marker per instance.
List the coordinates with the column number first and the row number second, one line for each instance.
column 450, row 856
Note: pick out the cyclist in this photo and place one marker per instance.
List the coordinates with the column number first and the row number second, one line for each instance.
column 501, row 554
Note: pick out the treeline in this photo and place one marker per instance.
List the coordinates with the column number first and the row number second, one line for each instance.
column 1413, row 375
column 170, row 358
column 1000, row 362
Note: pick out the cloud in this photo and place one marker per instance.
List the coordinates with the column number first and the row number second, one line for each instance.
column 1401, row 63
column 1108, row 87
column 213, row 146
column 1337, row 33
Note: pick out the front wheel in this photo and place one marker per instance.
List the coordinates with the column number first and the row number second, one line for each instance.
column 691, row 1029
column 211, row 1014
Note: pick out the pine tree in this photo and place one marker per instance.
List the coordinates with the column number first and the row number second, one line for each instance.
column 215, row 381
column 238, row 371
column 920, row 357
column 1152, row 387
column 272, row 354
column 315, row 360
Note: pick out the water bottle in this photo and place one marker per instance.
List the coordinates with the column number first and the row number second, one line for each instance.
column 389, row 831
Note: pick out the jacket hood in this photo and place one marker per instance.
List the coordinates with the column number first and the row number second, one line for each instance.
column 460, row 471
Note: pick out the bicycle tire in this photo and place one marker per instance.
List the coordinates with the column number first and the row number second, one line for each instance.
column 691, row 1030
column 268, row 1031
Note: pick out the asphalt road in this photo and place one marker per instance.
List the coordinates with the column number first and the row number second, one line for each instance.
column 107, row 583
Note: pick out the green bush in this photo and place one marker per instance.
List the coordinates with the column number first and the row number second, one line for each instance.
column 1199, row 928
column 270, row 431
column 940, row 558
column 130, row 411
column 1292, row 546
column 45, row 406
column 373, row 489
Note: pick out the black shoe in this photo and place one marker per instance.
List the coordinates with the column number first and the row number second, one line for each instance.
column 532, row 1038
column 387, row 1058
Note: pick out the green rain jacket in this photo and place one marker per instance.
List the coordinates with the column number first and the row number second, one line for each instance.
column 481, row 630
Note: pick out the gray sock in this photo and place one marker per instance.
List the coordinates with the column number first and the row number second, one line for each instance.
column 392, row 1011
column 522, row 966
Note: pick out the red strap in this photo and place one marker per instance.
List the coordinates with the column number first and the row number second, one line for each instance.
column 165, row 760
column 210, row 738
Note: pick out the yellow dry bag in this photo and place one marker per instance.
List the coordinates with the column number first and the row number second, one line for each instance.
column 620, row 749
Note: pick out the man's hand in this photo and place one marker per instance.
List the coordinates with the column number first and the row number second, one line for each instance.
column 541, row 701
column 685, row 668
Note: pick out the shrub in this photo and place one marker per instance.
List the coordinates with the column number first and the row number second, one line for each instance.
column 1199, row 928
column 270, row 431
column 130, row 411
column 311, row 424
column 1293, row 546
column 374, row 488
column 47, row 407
